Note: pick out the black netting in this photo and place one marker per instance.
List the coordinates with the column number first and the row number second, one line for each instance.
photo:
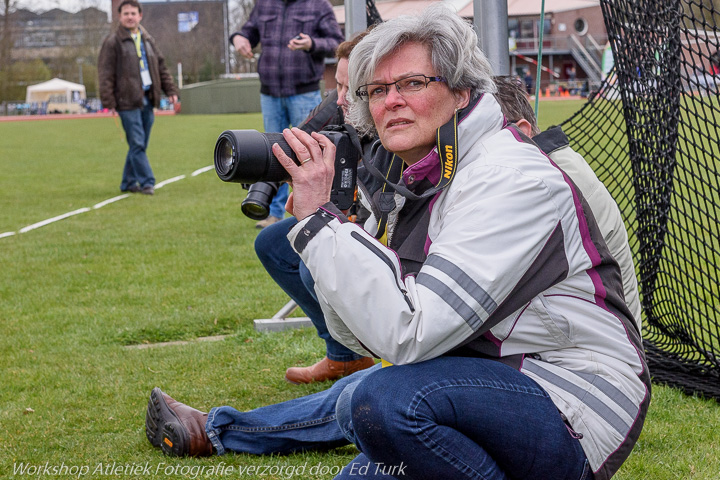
column 373, row 16
column 651, row 133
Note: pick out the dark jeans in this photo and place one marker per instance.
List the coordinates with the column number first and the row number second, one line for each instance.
column 137, row 125
column 449, row 417
column 277, row 205
column 459, row 418
column 305, row 423
column 285, row 267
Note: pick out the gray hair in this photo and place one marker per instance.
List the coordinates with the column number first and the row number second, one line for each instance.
column 454, row 53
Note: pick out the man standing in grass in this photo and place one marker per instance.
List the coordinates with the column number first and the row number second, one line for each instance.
column 133, row 75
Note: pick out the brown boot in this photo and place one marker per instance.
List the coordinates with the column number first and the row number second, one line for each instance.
column 267, row 222
column 179, row 430
column 326, row 369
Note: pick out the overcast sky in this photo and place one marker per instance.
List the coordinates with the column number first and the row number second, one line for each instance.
column 68, row 5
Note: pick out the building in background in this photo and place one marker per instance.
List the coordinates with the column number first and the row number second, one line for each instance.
column 573, row 33
column 192, row 33
column 51, row 34
column 573, row 40
column 38, row 46
column 35, row 47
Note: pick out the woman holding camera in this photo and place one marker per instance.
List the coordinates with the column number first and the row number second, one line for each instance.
column 515, row 355
column 481, row 276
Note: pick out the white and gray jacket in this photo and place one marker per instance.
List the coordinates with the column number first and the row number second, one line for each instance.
column 556, row 145
column 513, row 267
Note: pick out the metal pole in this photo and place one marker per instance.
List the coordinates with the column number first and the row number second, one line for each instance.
column 226, row 36
column 538, row 74
column 492, row 27
column 80, row 62
column 355, row 18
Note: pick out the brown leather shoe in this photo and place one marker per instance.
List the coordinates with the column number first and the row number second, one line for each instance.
column 326, row 369
column 267, row 222
column 157, row 410
column 179, row 430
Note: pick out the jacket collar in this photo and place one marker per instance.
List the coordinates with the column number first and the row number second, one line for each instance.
column 551, row 139
column 482, row 117
column 479, row 120
column 124, row 34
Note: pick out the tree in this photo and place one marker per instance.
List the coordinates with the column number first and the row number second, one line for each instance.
column 24, row 73
column 239, row 13
column 37, row 46
column 6, row 42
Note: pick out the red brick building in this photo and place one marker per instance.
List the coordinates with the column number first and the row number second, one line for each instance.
column 573, row 35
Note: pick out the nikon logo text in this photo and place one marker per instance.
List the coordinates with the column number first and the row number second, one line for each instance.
column 449, row 157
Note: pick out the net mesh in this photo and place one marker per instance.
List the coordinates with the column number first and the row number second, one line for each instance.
column 651, row 134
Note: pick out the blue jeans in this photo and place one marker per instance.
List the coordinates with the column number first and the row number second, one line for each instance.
column 280, row 113
column 137, row 124
column 285, row 267
column 459, row 418
column 300, row 424
column 277, row 204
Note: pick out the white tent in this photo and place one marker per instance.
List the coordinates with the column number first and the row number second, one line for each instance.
column 59, row 94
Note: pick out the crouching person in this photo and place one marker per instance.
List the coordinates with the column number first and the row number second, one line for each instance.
column 486, row 283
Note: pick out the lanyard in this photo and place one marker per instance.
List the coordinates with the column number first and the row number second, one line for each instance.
column 138, row 48
column 386, row 199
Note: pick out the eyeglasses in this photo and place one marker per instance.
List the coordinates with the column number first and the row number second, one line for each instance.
column 376, row 92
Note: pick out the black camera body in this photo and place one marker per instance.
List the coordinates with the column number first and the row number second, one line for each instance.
column 245, row 156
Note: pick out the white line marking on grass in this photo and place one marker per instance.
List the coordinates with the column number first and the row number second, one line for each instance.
column 98, row 205
column 143, row 346
column 110, row 200
column 202, row 170
column 54, row 219
column 169, row 180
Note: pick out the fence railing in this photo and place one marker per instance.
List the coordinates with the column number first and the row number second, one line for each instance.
column 560, row 43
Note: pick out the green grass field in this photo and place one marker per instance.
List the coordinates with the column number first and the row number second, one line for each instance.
column 686, row 288
column 78, row 294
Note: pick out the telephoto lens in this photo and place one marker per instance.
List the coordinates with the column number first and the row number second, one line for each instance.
column 245, row 156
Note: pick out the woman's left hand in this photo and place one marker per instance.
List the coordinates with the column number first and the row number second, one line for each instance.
column 312, row 179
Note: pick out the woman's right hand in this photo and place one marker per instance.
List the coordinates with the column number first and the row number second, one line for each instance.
column 312, row 179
